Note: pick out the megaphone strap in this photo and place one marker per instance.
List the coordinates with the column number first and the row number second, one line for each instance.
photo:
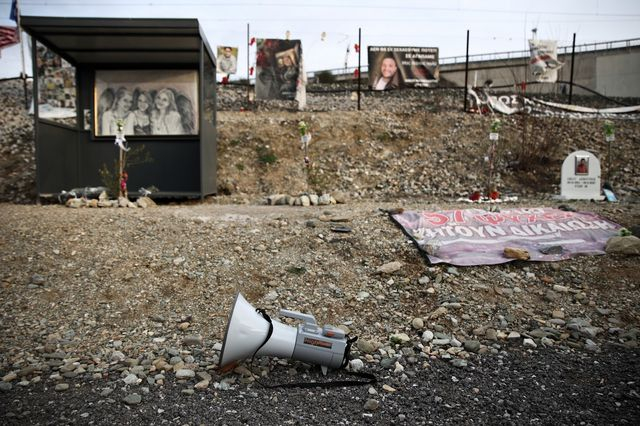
column 269, row 333
column 370, row 379
column 347, row 350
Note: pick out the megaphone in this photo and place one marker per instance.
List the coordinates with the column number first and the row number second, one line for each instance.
column 251, row 332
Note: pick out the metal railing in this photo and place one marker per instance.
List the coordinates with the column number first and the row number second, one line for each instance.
column 562, row 50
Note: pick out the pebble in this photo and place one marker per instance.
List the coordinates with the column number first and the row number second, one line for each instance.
column 193, row 340
column 551, row 296
column 61, row 387
column 5, row 386
column 438, row 312
column 458, row 362
column 131, row 379
column 491, row 334
column 37, row 280
column 371, row 405
column 356, row 365
column 513, row 335
column 106, row 392
column 591, row 346
column 117, row 356
column 400, row 338
column 185, row 373
column 203, row 384
column 389, row 268
column 545, row 341
column 132, row 399
column 417, row 323
column 388, row 388
column 206, row 376
column 529, row 343
column 427, row 336
column 366, row 346
column 10, row 377
column 471, row 345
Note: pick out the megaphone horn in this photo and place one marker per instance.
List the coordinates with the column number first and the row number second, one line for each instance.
column 251, row 332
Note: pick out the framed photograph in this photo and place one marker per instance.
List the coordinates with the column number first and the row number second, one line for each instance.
column 277, row 68
column 146, row 102
column 582, row 164
column 395, row 67
column 227, row 60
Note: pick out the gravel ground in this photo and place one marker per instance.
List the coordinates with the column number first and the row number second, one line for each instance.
column 515, row 387
column 108, row 304
column 117, row 315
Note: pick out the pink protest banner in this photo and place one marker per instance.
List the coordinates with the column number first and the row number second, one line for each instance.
column 478, row 237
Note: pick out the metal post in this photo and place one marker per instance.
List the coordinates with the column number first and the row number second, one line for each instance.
column 466, row 74
column 24, row 72
column 359, row 71
column 248, row 74
column 573, row 56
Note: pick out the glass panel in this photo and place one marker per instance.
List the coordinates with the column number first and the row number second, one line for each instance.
column 56, row 87
column 209, row 81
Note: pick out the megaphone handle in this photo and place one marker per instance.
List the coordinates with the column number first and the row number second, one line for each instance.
column 307, row 318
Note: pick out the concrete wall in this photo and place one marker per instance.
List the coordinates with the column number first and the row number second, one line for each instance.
column 618, row 74
column 614, row 72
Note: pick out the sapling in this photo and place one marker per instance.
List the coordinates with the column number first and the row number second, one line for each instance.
column 493, row 137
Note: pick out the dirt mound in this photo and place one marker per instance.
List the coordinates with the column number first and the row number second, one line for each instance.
column 401, row 144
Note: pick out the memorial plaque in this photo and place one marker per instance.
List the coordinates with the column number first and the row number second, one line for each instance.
column 581, row 177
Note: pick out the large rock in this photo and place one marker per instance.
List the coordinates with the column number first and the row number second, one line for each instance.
column 277, row 199
column 629, row 245
column 389, row 268
column 145, row 202
column 516, row 253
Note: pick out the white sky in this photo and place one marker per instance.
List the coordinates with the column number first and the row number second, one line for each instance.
column 495, row 25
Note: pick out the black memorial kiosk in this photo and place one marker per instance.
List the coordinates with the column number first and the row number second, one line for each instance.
column 154, row 76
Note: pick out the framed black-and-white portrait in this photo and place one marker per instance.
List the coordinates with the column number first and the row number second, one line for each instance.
column 146, row 102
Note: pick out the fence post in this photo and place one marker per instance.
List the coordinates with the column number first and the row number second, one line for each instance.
column 359, row 71
column 466, row 74
column 248, row 73
column 573, row 57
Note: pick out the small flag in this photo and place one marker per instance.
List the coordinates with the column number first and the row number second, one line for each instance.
column 251, row 71
column 14, row 11
column 356, row 73
column 253, row 40
column 225, row 79
column 8, row 36
column 357, row 47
